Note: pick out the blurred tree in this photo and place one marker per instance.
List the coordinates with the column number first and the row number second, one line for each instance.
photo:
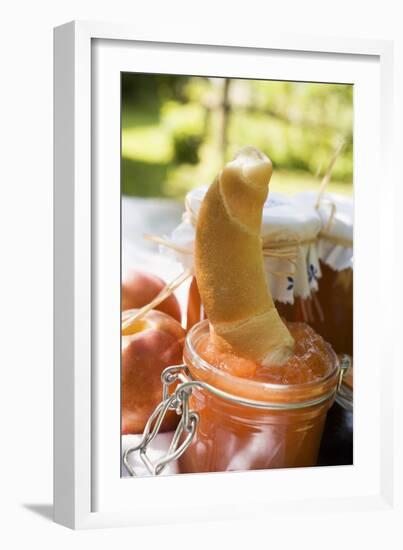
column 149, row 88
column 185, row 127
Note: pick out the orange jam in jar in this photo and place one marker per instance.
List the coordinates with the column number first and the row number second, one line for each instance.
column 336, row 298
column 263, row 417
column 329, row 310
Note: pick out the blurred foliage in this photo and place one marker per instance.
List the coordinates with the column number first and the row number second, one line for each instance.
column 178, row 130
column 187, row 147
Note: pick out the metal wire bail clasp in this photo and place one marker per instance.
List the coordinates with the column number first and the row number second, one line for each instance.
column 177, row 401
column 345, row 364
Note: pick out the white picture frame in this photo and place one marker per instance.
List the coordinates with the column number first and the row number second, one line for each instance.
column 88, row 489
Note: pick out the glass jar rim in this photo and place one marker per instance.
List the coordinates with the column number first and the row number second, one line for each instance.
column 256, row 385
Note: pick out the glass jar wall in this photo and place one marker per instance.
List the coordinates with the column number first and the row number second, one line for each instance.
column 283, row 431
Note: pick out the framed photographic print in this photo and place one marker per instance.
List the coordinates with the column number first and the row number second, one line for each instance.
column 213, row 208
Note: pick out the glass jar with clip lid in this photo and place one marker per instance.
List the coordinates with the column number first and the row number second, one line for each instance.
column 234, row 423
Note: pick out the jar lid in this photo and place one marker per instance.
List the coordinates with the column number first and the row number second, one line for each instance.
column 335, row 245
column 289, row 236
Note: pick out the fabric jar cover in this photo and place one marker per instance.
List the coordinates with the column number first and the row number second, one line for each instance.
column 335, row 244
column 289, row 240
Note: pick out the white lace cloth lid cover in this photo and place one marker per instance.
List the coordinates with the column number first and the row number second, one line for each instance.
column 335, row 244
column 288, row 231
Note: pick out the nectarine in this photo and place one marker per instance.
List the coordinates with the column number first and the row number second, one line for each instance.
column 139, row 288
column 148, row 346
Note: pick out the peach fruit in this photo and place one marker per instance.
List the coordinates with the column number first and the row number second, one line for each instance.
column 148, row 346
column 139, row 288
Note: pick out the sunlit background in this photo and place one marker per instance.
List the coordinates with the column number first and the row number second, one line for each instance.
column 178, row 130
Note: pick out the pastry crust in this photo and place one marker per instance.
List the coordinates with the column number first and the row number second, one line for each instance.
column 229, row 262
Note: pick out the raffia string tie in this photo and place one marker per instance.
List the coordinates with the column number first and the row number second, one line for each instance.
column 324, row 183
column 328, row 174
column 282, row 250
column 130, row 316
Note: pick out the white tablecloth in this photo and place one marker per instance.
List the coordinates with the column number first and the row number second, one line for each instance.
column 156, row 217
column 157, row 449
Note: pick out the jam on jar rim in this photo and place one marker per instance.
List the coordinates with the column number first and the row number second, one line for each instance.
column 191, row 357
column 259, row 404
